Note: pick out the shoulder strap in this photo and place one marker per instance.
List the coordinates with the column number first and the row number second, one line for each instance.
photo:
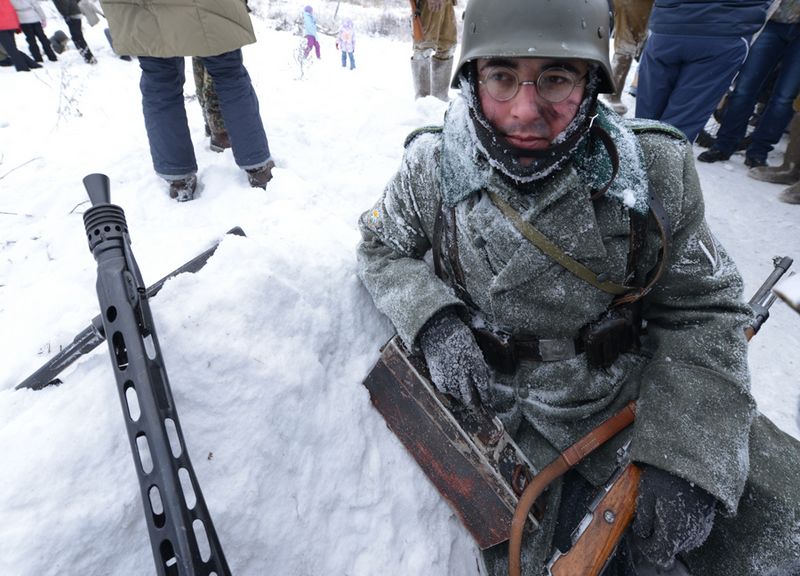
column 554, row 252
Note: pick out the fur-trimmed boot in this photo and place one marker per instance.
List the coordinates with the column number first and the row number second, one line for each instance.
column 789, row 171
column 421, row 74
column 440, row 77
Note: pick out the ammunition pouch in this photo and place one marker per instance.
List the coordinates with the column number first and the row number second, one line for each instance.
column 616, row 331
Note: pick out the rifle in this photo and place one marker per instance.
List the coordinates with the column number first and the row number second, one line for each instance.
column 763, row 298
column 416, row 21
column 93, row 335
column 612, row 511
column 182, row 535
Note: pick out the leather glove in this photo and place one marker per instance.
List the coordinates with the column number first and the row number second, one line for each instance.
column 672, row 516
column 455, row 361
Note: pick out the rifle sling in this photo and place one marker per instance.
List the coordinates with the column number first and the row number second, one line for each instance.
column 625, row 294
column 554, row 252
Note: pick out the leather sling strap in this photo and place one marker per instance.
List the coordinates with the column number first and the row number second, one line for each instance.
column 569, row 458
column 624, row 294
column 554, row 252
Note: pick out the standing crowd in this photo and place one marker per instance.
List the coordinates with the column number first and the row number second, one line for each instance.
column 698, row 58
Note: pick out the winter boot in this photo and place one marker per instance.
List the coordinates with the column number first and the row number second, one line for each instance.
column 791, row 195
column 220, row 141
column 48, row 50
column 421, row 73
column 88, row 57
column 440, row 77
column 789, row 171
column 621, row 64
column 258, row 177
column 183, row 190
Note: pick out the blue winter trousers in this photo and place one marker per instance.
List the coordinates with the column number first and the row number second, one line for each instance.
column 344, row 59
column 683, row 78
column 165, row 115
column 777, row 44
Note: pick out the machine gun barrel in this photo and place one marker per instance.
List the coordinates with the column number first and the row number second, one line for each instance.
column 182, row 535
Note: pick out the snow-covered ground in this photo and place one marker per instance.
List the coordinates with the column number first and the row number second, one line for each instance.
column 266, row 347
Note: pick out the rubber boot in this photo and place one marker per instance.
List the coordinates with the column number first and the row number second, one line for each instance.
column 789, row 171
column 440, row 77
column 620, row 65
column 421, row 74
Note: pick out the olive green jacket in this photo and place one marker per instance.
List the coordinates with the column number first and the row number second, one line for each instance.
column 167, row 28
column 690, row 380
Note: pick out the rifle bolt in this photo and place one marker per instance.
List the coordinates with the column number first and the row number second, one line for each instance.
column 609, row 516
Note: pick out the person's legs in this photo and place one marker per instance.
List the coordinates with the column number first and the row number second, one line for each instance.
column 764, row 56
column 309, row 45
column 316, row 46
column 344, row 58
column 659, row 67
column 707, row 68
column 778, row 112
column 630, row 30
column 10, row 46
column 76, row 32
column 240, row 110
column 165, row 117
column 30, row 37
column 48, row 49
column 352, row 60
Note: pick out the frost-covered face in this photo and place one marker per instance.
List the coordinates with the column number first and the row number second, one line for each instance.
column 527, row 120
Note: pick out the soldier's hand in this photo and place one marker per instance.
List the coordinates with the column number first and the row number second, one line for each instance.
column 455, row 361
column 672, row 516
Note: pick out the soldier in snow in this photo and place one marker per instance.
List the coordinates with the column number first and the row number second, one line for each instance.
column 572, row 271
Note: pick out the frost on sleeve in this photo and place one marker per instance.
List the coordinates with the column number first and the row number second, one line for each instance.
column 695, row 409
column 396, row 234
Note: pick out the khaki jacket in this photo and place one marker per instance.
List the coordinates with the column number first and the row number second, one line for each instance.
column 167, row 28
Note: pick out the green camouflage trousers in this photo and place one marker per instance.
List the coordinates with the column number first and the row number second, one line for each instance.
column 207, row 97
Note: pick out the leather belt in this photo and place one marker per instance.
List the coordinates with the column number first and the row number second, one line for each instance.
column 505, row 351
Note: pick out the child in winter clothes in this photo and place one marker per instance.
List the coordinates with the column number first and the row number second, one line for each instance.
column 32, row 21
column 310, row 30
column 346, row 42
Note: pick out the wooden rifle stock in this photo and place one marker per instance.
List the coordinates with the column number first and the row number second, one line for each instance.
column 416, row 21
column 598, row 535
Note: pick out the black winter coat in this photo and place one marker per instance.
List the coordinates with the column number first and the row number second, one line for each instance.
column 67, row 8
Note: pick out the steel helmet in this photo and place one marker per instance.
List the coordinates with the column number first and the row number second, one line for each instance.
column 573, row 29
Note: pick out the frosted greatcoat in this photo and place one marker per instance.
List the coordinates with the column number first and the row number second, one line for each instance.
column 691, row 380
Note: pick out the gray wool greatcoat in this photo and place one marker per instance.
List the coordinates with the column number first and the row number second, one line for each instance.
column 695, row 415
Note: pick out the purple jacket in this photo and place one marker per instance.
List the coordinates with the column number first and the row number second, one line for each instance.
column 347, row 36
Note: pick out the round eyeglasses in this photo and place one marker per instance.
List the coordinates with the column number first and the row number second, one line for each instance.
column 554, row 84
